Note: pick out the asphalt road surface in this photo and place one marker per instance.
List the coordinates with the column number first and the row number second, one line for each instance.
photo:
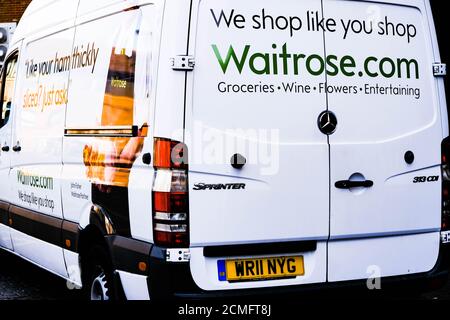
column 21, row 280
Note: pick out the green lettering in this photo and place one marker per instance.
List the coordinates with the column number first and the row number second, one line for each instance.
column 231, row 55
column 408, row 64
column 366, row 67
column 383, row 62
column 348, row 62
column 309, row 65
column 331, row 63
column 266, row 60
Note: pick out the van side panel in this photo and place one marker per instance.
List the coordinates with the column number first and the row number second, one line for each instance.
column 170, row 96
column 141, row 175
column 112, row 94
column 5, row 236
column 35, row 178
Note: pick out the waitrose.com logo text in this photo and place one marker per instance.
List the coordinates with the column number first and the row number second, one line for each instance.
column 281, row 61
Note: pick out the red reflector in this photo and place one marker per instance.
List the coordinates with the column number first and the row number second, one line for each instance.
column 170, row 202
column 162, row 153
column 166, row 239
column 170, row 154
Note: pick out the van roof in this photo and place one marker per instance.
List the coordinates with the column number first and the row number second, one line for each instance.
column 43, row 14
column 37, row 5
column 32, row 20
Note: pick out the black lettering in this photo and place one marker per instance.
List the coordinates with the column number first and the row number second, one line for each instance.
column 272, row 266
column 266, row 18
column 223, row 16
column 239, row 265
column 249, row 266
column 281, row 263
column 257, row 24
column 291, row 267
column 200, row 186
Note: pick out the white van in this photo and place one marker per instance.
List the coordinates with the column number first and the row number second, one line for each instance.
column 207, row 148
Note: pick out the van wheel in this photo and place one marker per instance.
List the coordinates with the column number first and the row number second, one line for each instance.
column 99, row 277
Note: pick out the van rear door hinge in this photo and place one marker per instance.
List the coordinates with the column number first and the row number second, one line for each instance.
column 183, row 63
column 445, row 236
column 439, row 69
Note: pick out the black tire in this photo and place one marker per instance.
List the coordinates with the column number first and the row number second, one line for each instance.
column 98, row 275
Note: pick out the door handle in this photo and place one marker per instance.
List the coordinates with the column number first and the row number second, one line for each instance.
column 5, row 148
column 17, row 148
column 347, row 184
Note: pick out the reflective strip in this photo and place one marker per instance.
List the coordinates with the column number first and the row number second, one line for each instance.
column 125, row 131
column 176, row 228
column 164, row 216
column 163, row 180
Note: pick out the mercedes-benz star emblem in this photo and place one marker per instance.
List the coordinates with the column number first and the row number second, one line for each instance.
column 327, row 122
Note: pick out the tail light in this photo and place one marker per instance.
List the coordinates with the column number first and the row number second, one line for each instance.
column 170, row 194
column 446, row 185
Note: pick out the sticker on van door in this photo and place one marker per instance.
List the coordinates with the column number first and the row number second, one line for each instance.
column 425, row 179
column 274, row 61
column 220, row 186
column 109, row 159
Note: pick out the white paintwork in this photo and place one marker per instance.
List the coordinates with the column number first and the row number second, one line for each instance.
column 38, row 130
column 141, row 180
column 73, row 269
column 43, row 16
column 78, row 203
column 5, row 157
column 5, row 161
column 276, row 199
column 169, row 113
column 373, row 135
column 394, row 225
column 134, row 286
column 382, row 257
column 5, row 166
column 41, row 253
column 5, row 237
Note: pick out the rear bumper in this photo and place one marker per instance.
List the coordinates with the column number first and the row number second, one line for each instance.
column 174, row 281
column 169, row 281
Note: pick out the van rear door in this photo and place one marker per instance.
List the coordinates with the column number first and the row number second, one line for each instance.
column 253, row 100
column 385, row 153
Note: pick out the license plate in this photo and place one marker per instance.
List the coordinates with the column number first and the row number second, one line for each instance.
column 261, row 268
